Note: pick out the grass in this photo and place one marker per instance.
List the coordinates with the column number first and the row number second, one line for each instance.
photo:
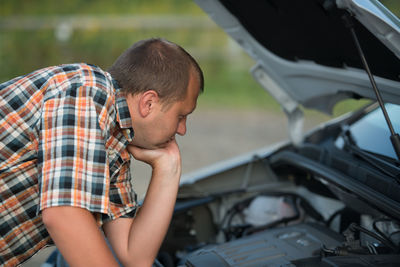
column 97, row 7
column 229, row 83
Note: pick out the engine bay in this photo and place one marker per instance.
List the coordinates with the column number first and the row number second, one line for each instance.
column 277, row 215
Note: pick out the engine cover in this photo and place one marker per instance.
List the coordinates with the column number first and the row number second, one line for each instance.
column 275, row 247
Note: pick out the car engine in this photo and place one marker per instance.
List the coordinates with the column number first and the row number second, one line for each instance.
column 296, row 219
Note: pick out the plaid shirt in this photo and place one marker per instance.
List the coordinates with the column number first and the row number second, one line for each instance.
column 63, row 137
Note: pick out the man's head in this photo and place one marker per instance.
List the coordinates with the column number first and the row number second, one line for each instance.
column 159, row 65
column 161, row 82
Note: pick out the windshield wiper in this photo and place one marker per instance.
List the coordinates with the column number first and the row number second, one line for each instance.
column 380, row 164
column 394, row 137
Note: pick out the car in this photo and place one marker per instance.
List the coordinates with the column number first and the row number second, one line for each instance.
column 329, row 197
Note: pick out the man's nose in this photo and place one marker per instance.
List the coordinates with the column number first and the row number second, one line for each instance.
column 181, row 127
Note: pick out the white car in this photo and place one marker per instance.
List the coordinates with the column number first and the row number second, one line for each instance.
column 327, row 198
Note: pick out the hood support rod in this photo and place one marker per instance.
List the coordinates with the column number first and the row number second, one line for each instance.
column 394, row 137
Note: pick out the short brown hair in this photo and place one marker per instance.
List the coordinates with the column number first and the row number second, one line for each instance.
column 159, row 65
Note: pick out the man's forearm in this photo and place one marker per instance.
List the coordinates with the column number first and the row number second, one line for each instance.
column 156, row 212
column 137, row 241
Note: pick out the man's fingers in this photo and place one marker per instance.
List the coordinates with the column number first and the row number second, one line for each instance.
column 140, row 153
column 146, row 155
column 133, row 149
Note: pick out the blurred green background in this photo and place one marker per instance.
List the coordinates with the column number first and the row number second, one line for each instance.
column 36, row 34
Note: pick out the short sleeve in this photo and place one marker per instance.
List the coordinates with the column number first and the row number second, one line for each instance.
column 72, row 156
column 123, row 202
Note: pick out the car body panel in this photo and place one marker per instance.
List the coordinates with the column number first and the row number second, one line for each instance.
column 295, row 77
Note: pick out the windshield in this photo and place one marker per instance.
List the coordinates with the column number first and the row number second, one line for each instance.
column 371, row 133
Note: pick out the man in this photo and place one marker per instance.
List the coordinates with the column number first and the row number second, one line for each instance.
column 66, row 133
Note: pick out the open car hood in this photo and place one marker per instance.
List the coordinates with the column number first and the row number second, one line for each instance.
column 304, row 53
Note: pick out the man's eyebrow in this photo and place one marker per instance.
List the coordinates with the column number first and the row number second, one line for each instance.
column 190, row 112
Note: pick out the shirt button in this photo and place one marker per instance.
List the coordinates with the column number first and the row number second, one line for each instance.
column 129, row 135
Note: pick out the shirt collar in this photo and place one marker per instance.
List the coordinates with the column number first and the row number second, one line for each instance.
column 123, row 115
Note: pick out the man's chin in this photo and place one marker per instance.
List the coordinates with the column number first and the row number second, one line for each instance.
column 154, row 147
column 163, row 145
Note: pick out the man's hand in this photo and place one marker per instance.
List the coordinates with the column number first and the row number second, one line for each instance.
column 167, row 159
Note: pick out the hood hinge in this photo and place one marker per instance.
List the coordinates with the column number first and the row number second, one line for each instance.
column 293, row 112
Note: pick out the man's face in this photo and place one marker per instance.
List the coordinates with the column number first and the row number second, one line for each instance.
column 164, row 122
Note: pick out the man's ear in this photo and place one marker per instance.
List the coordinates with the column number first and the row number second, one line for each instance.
column 147, row 102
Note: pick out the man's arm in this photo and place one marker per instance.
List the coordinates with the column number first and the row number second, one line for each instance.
column 137, row 241
column 77, row 236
